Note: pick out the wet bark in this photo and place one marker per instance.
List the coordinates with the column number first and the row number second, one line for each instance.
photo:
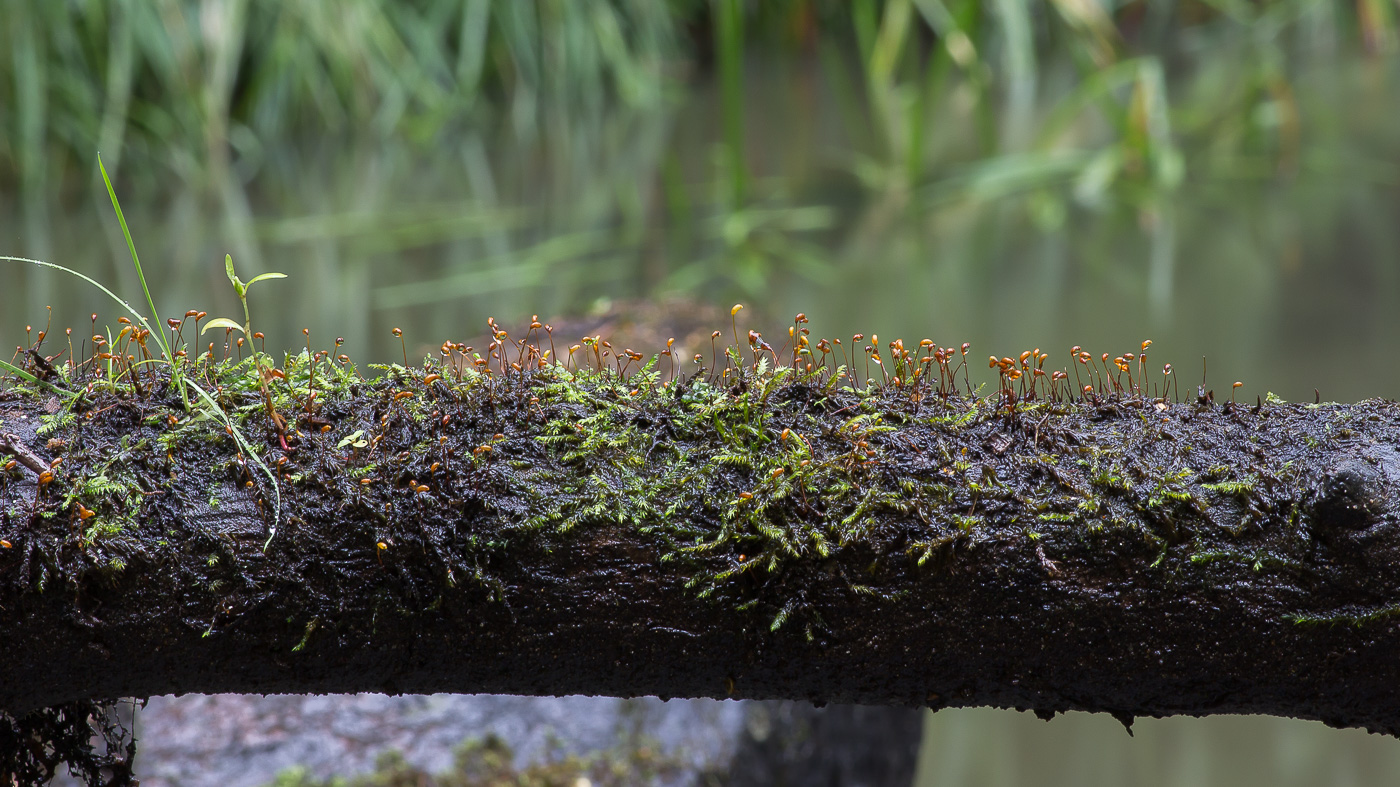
column 1131, row 558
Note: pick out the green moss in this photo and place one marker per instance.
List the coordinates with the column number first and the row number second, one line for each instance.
column 311, row 627
column 1257, row 561
column 1107, row 474
column 49, row 424
column 103, row 499
column 1231, row 488
column 1173, row 488
column 1357, row 619
column 734, row 479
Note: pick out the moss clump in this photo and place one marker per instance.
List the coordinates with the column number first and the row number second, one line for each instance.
column 748, row 480
column 508, row 521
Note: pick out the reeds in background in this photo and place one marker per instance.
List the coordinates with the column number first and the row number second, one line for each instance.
column 190, row 87
column 525, row 155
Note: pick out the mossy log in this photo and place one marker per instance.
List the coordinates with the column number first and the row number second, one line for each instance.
column 556, row 533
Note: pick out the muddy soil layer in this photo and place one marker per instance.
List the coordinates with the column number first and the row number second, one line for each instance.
column 766, row 540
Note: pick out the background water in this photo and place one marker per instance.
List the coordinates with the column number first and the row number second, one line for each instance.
column 1221, row 178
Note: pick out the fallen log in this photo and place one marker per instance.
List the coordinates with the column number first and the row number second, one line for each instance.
column 754, row 535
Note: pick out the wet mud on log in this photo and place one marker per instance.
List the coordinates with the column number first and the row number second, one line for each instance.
column 786, row 541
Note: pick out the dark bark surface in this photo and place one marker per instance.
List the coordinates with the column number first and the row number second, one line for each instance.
column 1127, row 557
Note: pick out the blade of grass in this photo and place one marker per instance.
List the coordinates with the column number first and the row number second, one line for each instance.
column 247, row 449
column 22, row 374
column 176, row 373
column 138, row 315
column 135, row 260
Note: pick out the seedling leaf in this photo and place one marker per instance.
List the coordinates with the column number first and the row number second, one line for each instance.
column 233, row 279
column 260, row 277
column 221, row 322
column 353, row 439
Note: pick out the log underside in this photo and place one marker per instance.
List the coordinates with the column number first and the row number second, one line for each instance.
column 1130, row 558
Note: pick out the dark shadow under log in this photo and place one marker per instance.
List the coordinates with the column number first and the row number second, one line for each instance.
column 783, row 541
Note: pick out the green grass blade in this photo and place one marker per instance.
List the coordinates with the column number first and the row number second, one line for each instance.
column 15, row 370
column 247, row 449
column 135, row 260
column 138, row 315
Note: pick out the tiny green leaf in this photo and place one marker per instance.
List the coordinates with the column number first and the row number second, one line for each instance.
column 238, row 285
column 353, row 439
column 221, row 322
column 257, row 279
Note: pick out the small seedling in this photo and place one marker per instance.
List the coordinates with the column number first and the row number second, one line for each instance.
column 240, row 288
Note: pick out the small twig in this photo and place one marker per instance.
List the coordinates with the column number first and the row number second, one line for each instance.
column 45, row 368
column 1051, row 567
column 23, row 455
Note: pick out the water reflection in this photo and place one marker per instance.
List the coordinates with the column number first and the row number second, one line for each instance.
column 1284, row 282
column 983, row 747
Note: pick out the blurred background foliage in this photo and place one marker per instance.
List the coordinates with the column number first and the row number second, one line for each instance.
column 185, row 89
column 514, row 157
column 1222, row 176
